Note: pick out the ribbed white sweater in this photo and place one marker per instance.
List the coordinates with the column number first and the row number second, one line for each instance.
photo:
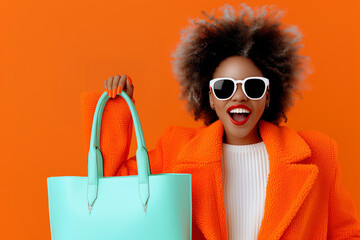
column 245, row 174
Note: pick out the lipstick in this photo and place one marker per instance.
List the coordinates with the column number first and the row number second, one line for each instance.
column 239, row 106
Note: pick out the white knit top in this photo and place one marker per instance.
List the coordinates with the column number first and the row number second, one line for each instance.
column 245, row 174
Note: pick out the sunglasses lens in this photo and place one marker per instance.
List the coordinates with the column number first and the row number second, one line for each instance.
column 255, row 87
column 223, row 88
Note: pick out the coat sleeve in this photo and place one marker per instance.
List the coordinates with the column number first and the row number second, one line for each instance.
column 116, row 129
column 115, row 137
column 156, row 158
column 343, row 222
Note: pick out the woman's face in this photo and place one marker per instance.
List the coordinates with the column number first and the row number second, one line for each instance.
column 238, row 68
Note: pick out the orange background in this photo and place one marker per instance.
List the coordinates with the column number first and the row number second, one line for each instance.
column 52, row 51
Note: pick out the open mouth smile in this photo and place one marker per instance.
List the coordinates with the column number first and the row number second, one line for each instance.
column 239, row 114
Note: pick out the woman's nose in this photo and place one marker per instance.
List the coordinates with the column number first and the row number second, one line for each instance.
column 239, row 94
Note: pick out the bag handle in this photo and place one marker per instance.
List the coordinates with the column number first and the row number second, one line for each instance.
column 95, row 160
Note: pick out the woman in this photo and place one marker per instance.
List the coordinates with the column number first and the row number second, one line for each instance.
column 251, row 178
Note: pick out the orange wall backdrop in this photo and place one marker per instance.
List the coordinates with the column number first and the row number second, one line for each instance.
column 52, row 51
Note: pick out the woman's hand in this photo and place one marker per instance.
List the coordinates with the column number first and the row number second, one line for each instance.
column 114, row 85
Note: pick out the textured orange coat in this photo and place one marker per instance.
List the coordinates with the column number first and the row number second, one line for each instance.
column 304, row 196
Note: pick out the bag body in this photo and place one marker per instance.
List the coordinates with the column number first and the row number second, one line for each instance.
column 143, row 206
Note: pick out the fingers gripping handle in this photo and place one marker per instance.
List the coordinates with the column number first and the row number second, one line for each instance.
column 95, row 160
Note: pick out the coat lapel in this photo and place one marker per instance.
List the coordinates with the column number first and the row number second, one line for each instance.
column 289, row 181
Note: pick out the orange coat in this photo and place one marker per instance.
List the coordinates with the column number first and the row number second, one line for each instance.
column 304, row 196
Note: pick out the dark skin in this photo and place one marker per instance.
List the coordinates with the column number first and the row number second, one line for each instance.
column 114, row 85
column 238, row 67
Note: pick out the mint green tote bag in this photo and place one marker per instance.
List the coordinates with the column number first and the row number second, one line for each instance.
column 136, row 207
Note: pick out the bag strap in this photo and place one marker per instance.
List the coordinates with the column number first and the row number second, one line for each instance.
column 95, row 160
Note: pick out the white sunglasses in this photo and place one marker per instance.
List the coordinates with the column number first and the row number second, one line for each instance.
column 253, row 87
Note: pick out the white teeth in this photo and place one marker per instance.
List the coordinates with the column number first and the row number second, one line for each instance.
column 239, row 110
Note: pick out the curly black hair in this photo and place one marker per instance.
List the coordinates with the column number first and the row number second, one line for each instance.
column 259, row 37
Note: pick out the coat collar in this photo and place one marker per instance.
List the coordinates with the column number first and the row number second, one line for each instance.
column 289, row 181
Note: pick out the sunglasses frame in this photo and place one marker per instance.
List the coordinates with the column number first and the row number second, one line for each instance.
column 212, row 82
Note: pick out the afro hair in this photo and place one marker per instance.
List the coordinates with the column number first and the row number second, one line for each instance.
column 260, row 37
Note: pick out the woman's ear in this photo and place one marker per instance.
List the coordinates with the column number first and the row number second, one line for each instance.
column 211, row 98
